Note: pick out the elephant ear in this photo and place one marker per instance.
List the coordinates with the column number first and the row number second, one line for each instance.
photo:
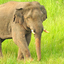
column 43, row 9
column 44, row 12
column 18, row 16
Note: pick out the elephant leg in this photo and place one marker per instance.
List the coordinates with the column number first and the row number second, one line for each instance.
column 20, row 55
column 0, row 49
column 28, row 38
column 1, row 40
column 20, row 40
column 22, row 44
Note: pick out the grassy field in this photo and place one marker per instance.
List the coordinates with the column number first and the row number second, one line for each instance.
column 52, row 44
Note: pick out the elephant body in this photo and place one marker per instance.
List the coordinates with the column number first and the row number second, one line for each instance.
column 17, row 19
column 7, row 11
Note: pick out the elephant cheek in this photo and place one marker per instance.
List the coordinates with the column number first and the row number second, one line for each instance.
column 38, row 48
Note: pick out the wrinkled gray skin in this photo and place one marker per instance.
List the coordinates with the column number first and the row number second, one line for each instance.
column 17, row 19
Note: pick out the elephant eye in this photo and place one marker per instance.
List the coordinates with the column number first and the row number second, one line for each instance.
column 29, row 17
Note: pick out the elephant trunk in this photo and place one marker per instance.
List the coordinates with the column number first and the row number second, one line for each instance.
column 38, row 47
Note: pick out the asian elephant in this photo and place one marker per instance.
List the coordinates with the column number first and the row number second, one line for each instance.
column 17, row 21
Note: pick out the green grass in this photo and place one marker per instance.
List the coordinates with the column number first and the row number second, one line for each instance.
column 52, row 44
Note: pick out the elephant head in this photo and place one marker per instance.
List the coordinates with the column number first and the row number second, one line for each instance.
column 31, row 17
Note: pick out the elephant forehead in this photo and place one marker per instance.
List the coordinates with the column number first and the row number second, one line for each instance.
column 36, row 12
column 32, row 13
column 31, row 6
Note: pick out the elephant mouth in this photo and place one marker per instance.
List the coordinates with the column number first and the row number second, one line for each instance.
column 33, row 31
column 43, row 30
